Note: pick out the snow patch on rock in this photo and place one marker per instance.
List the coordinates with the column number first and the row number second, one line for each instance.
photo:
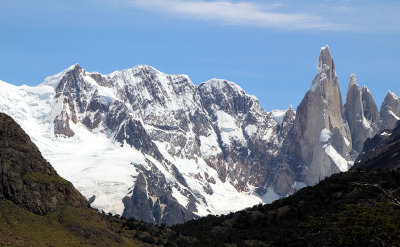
column 325, row 135
column 278, row 115
column 270, row 196
column 340, row 162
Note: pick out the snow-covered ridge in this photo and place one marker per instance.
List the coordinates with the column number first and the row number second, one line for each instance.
column 83, row 159
column 55, row 79
column 74, row 117
column 393, row 95
column 139, row 68
column 220, row 84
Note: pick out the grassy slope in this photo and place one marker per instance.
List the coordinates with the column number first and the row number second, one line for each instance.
column 67, row 226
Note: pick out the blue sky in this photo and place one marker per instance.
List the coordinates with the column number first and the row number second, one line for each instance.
column 270, row 48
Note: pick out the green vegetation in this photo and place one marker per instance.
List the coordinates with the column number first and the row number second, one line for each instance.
column 78, row 226
column 67, row 226
column 347, row 209
column 43, row 178
column 152, row 234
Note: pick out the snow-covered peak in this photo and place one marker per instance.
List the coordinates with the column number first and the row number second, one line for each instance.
column 144, row 68
column 365, row 89
column 141, row 73
column 55, row 79
column 392, row 95
column 325, row 67
column 353, row 80
column 72, row 67
column 324, row 47
column 220, row 84
column 131, row 72
column 325, row 61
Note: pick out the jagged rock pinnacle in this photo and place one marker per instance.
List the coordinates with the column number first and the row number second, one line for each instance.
column 390, row 111
column 353, row 80
column 362, row 114
column 325, row 61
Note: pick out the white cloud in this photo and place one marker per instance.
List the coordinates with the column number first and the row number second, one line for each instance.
column 237, row 13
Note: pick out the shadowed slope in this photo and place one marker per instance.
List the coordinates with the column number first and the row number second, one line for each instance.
column 26, row 178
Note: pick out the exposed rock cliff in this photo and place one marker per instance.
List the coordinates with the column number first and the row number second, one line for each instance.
column 26, row 178
column 321, row 138
column 362, row 114
column 390, row 111
column 381, row 152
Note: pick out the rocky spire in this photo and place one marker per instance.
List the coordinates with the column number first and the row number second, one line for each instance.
column 287, row 122
column 390, row 111
column 362, row 114
column 325, row 60
column 321, row 141
column 353, row 80
column 371, row 111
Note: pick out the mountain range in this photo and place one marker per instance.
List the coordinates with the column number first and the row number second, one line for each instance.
column 152, row 146
column 360, row 207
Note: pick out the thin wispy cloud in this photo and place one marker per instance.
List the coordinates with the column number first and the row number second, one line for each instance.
column 238, row 13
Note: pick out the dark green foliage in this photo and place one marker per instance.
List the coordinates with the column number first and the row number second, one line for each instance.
column 348, row 209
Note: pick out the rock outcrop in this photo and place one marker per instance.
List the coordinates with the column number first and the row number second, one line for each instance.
column 247, row 135
column 152, row 201
column 390, row 111
column 26, row 178
column 362, row 114
column 321, row 140
column 380, row 152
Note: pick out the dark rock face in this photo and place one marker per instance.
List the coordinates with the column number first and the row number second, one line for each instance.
column 362, row 114
column 135, row 135
column 287, row 123
column 152, row 201
column 390, row 111
column 26, row 178
column 380, row 152
column 248, row 156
